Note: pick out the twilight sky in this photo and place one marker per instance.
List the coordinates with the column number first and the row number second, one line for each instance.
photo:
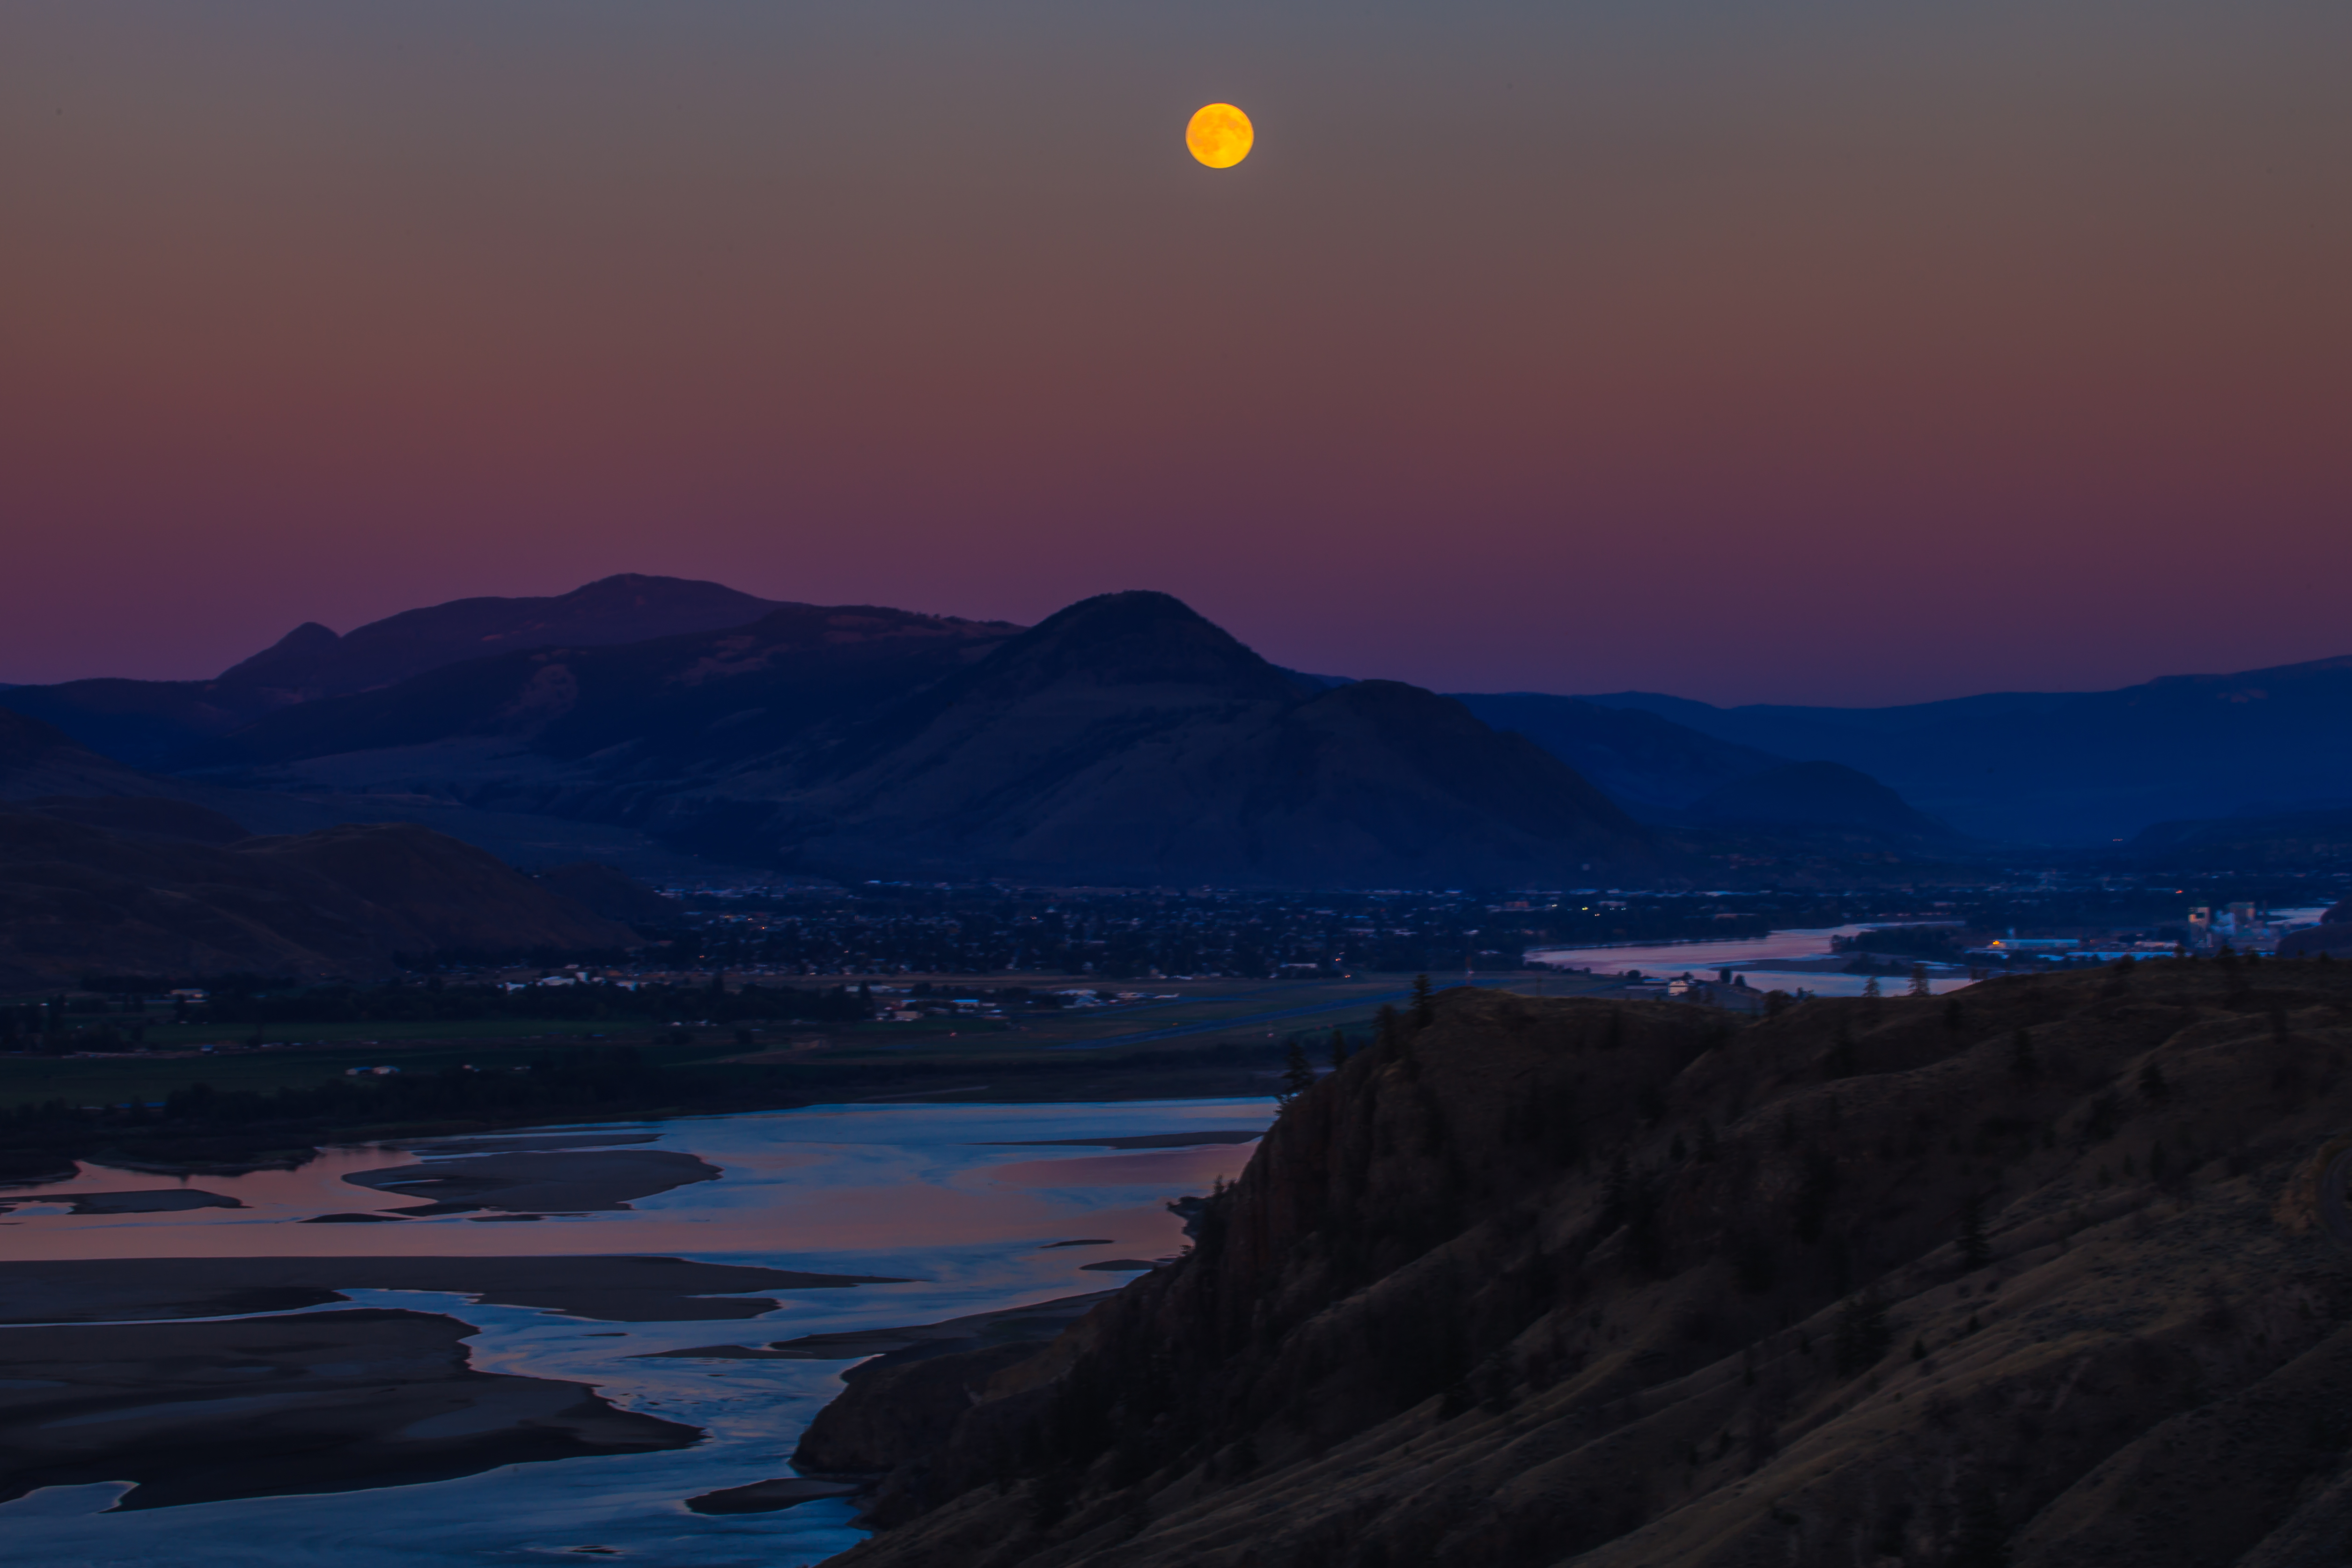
column 1831, row 351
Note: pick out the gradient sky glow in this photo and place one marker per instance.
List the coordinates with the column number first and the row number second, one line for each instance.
column 1822, row 351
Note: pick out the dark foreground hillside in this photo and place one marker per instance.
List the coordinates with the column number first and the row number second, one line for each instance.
column 2038, row 1274
column 129, row 886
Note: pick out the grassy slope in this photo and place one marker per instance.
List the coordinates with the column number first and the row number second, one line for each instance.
column 1419, row 1330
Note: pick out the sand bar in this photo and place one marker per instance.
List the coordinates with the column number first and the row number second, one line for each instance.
column 621, row 1289
column 767, row 1497
column 527, row 1142
column 572, row 1182
column 1136, row 1141
column 146, row 1200
column 263, row 1408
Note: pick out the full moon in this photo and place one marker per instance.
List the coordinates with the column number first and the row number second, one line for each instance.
column 1220, row 135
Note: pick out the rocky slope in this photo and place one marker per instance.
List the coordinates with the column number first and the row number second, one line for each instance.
column 2038, row 1274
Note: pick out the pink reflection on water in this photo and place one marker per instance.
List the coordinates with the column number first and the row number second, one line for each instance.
column 313, row 1188
column 1156, row 1168
column 765, row 1159
column 849, row 1197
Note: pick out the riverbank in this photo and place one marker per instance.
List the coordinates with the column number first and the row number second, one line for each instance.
column 194, row 1412
column 731, row 1306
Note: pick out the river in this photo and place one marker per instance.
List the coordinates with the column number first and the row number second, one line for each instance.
column 942, row 1196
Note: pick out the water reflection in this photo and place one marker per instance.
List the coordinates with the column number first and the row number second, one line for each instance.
column 910, row 1191
column 831, row 1178
column 1759, row 958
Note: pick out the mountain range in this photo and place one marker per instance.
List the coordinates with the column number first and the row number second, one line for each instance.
column 2087, row 767
column 1125, row 740
column 148, row 723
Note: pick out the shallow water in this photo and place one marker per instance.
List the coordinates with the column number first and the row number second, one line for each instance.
column 1755, row 956
column 913, row 1191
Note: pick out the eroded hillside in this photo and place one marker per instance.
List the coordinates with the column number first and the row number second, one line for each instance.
column 2041, row 1273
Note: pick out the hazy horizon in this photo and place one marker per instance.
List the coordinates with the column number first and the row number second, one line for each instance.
column 1823, row 355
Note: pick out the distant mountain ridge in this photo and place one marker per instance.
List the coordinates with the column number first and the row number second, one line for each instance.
column 718, row 695
column 151, row 723
column 2073, row 767
column 1128, row 737
column 1125, row 740
column 719, row 720
column 625, row 609
column 1654, row 767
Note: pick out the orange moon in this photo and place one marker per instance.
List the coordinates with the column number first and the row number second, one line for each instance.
column 1220, row 135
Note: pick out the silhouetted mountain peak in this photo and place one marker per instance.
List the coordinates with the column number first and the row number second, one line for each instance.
column 1128, row 639
column 627, row 608
column 291, row 661
column 639, row 590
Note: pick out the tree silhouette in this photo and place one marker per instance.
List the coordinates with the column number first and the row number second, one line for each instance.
column 1297, row 1077
column 1863, row 1335
column 1425, row 1002
column 1975, row 1250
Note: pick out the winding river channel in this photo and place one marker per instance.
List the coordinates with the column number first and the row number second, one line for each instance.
column 961, row 1204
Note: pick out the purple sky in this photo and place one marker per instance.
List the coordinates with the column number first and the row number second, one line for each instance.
column 1826, row 352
